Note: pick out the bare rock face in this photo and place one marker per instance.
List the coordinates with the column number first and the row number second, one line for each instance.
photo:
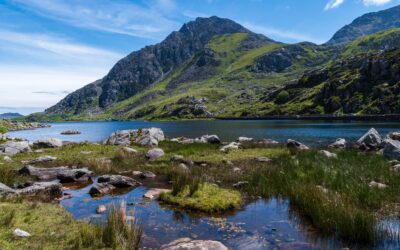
column 188, row 244
column 370, row 141
column 15, row 147
column 144, row 137
column 48, row 143
column 295, row 146
column 340, row 143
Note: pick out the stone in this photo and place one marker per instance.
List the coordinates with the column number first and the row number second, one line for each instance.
column 374, row 184
column 245, row 139
column 214, row 139
column 392, row 149
column 48, row 143
column 177, row 158
column 43, row 173
column 122, row 137
column 101, row 209
column 71, row 132
column 75, row 175
column 396, row 168
column 182, row 167
column 150, row 137
column 118, row 181
column 5, row 190
column 263, row 159
column 7, row 159
column 21, row 233
column 327, row 154
column 370, row 140
column 129, row 150
column 322, row 189
column 340, row 143
column 240, row 184
column 236, row 170
column 14, row 147
column 154, row 153
column 46, row 189
column 230, row 146
column 267, row 142
column 147, row 174
column 154, row 193
column 393, row 136
column 41, row 159
column 101, row 188
column 295, row 146
column 144, row 137
column 189, row 244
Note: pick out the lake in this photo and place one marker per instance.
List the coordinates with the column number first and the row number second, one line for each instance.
column 316, row 133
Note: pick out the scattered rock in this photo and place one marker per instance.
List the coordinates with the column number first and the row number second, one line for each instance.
column 75, row 175
column 154, row 153
column 129, row 150
column 340, row 143
column 369, row 141
column 327, row 154
column 263, row 159
column 101, row 209
column 236, row 170
column 177, row 158
column 5, row 190
column 118, row 181
column 188, row 244
column 240, row 184
column 396, row 168
column 14, row 147
column 7, row 159
column 208, row 139
column 41, row 159
column 322, row 189
column 230, row 146
column 101, row 188
column 182, row 167
column 245, row 139
column 45, row 189
column 394, row 136
column 147, row 174
column 295, row 146
column 392, row 149
column 21, row 233
column 374, row 184
column 71, row 132
column 153, row 193
column 43, row 173
column 144, row 137
column 267, row 142
column 48, row 143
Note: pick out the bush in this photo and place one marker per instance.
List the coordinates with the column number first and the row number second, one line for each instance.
column 282, row 97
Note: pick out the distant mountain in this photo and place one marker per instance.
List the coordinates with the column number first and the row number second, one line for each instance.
column 10, row 115
column 367, row 24
column 214, row 67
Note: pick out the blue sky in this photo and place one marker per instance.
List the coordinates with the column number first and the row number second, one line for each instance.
column 49, row 48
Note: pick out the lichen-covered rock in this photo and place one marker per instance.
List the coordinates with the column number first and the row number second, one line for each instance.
column 154, row 153
column 48, row 143
column 188, row 244
column 295, row 146
column 14, row 147
column 144, row 137
column 370, row 140
column 118, row 181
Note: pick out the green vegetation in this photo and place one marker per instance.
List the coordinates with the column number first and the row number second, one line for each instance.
column 205, row 197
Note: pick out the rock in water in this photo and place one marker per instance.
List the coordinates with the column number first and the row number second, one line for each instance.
column 101, row 209
column 295, row 146
column 21, row 233
column 118, row 181
column 153, row 193
column 14, row 147
column 369, row 141
column 48, row 143
column 392, row 149
column 71, row 132
column 154, row 153
column 188, row 244
column 340, row 143
column 101, row 188
column 327, row 154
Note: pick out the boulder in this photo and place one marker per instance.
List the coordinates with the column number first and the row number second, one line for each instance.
column 147, row 174
column 41, row 159
column 267, row 142
column 129, row 150
column 75, row 175
column 154, row 153
column 7, row 159
column 153, row 193
column 144, row 137
column 240, row 184
column 230, row 146
column 48, row 143
column 392, row 149
column 393, row 136
column 208, row 139
column 374, row 184
column 118, row 181
column 71, row 132
column 46, row 189
column 101, row 209
column 101, row 188
column 43, row 173
column 182, row 167
column 5, row 190
column 188, row 244
column 150, row 137
column 21, row 233
column 340, row 143
column 396, row 168
column 263, row 159
column 245, row 139
column 327, row 154
column 122, row 137
column 370, row 140
column 295, row 146
column 14, row 147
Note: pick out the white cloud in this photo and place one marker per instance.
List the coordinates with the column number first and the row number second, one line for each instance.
column 278, row 34
column 375, row 2
column 109, row 16
column 333, row 4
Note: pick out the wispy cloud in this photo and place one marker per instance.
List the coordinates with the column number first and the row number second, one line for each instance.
column 52, row 92
column 110, row 16
column 281, row 34
column 375, row 2
column 333, row 4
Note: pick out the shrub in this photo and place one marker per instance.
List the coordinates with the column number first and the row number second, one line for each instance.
column 282, row 97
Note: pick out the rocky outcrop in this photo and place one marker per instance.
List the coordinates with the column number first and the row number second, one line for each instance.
column 64, row 174
column 144, row 137
column 14, row 147
column 369, row 141
column 12, row 125
column 48, row 143
column 188, row 244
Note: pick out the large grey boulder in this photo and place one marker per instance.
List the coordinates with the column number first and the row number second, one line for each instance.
column 392, row 149
column 370, row 140
column 144, row 137
column 154, row 153
column 295, row 146
column 101, row 189
column 118, row 181
column 189, row 244
column 48, row 143
column 46, row 189
column 14, row 147
column 75, row 175
column 208, row 139
column 42, row 173
column 340, row 143
column 5, row 190
column 41, row 159
column 230, row 146
column 393, row 136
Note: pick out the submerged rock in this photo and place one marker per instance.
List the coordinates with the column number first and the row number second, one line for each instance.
column 340, row 143
column 14, row 147
column 370, row 140
column 392, row 149
column 189, row 244
column 154, row 153
column 295, row 146
column 48, row 143
column 118, row 181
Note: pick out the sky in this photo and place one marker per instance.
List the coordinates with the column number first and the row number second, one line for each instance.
column 49, row 48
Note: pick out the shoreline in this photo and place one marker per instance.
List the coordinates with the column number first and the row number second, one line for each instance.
column 388, row 117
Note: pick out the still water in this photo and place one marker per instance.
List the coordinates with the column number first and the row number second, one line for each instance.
column 317, row 133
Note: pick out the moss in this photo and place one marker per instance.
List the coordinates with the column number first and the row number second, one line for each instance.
column 207, row 198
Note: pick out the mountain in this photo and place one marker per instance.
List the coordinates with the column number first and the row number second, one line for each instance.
column 10, row 115
column 367, row 24
column 214, row 67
